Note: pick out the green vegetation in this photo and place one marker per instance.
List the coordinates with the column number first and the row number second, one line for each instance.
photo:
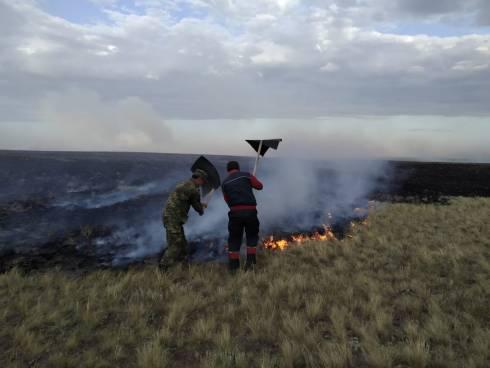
column 409, row 289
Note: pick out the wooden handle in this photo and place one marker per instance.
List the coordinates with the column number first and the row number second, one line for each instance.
column 208, row 196
column 258, row 158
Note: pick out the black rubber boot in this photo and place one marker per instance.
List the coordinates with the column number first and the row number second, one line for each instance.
column 233, row 265
column 251, row 262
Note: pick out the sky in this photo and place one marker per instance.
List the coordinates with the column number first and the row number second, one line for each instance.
column 352, row 78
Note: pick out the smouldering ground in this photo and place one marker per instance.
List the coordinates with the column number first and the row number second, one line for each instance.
column 410, row 289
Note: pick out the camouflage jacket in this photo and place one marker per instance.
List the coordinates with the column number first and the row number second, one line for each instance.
column 185, row 195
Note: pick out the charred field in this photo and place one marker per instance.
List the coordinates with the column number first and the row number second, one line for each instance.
column 83, row 211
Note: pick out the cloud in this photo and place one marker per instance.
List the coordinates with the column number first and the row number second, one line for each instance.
column 483, row 15
column 422, row 7
column 455, row 12
column 216, row 59
column 104, row 3
column 299, row 62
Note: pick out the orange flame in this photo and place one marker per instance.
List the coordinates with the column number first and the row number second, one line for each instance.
column 273, row 244
column 281, row 244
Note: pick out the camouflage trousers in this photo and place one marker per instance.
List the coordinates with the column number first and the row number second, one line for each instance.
column 177, row 250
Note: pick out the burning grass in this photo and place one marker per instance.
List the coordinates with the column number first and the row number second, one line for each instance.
column 409, row 289
column 273, row 243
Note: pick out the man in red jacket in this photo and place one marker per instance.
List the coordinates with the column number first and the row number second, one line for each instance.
column 238, row 192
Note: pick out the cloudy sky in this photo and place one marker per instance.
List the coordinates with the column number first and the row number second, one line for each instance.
column 384, row 78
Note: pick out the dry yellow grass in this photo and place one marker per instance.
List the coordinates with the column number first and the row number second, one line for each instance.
column 410, row 289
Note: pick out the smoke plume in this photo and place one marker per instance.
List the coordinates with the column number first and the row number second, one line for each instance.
column 83, row 120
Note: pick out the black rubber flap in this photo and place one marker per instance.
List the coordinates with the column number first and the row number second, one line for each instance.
column 266, row 144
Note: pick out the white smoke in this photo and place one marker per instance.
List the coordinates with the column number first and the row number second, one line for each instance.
column 149, row 242
column 83, row 120
column 122, row 193
column 294, row 198
column 301, row 194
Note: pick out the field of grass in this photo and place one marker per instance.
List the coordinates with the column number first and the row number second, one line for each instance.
column 409, row 289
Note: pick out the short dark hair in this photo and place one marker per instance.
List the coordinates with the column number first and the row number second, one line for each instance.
column 232, row 165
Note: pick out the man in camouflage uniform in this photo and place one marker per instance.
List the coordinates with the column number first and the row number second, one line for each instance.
column 175, row 215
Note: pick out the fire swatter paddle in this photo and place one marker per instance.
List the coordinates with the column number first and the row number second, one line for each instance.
column 261, row 147
column 214, row 180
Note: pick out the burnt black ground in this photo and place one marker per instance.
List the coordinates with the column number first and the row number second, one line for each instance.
column 433, row 181
column 79, row 210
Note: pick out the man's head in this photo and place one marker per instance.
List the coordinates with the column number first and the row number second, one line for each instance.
column 232, row 165
column 200, row 177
